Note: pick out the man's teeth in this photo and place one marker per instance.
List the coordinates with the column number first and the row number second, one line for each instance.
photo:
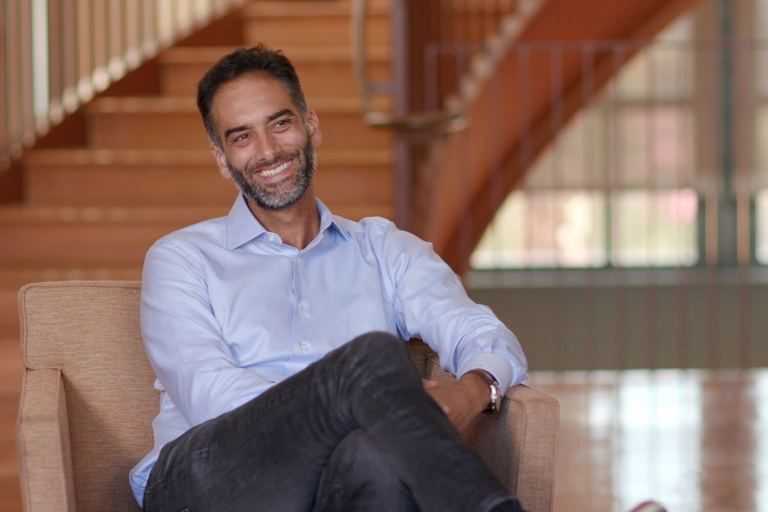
column 276, row 170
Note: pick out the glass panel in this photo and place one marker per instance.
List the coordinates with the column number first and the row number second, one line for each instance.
column 655, row 147
column 545, row 229
column 761, row 226
column 663, row 70
column 761, row 136
column 761, row 47
column 655, row 228
column 576, row 160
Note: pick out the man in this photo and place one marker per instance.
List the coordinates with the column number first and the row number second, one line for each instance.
column 266, row 404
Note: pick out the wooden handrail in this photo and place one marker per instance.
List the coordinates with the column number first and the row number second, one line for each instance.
column 436, row 122
column 58, row 54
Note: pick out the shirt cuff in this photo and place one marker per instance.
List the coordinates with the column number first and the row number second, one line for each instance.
column 496, row 366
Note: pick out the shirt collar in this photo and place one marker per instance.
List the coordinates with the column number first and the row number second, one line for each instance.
column 242, row 225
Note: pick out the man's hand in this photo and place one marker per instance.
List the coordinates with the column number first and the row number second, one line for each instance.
column 462, row 400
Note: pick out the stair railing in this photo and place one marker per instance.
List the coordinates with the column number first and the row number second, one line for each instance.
column 56, row 55
column 429, row 88
column 399, row 118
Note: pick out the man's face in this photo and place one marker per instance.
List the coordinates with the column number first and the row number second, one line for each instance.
column 266, row 147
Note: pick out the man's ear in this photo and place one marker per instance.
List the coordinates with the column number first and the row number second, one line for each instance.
column 221, row 162
column 313, row 126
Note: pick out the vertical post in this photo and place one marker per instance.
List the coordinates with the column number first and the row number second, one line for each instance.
column 414, row 27
column 5, row 157
column 55, row 61
column 400, row 77
column 27, row 75
column 727, row 231
column 39, row 34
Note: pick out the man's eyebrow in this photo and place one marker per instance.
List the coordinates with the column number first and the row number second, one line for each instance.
column 281, row 113
column 270, row 118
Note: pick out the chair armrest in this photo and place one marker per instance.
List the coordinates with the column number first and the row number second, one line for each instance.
column 42, row 432
column 519, row 443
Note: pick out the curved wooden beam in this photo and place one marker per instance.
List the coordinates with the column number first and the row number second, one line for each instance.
column 513, row 118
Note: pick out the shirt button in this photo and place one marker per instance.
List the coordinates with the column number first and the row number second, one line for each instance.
column 304, row 346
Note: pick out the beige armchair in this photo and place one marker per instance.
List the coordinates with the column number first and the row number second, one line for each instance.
column 88, row 402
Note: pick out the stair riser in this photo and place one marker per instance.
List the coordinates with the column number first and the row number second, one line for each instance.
column 185, row 131
column 9, row 316
column 100, row 244
column 320, row 79
column 293, row 31
column 71, row 244
column 180, row 185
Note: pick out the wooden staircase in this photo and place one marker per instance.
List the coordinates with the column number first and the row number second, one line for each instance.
column 134, row 164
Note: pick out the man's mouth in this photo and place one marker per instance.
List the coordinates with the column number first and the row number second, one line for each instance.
column 275, row 170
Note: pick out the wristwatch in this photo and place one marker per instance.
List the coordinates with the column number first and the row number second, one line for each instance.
column 495, row 404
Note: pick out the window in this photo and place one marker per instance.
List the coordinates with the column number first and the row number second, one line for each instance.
column 616, row 187
column 683, row 127
column 545, row 229
column 655, row 228
column 761, row 226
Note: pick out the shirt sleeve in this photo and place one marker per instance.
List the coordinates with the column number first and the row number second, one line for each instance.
column 183, row 340
column 431, row 303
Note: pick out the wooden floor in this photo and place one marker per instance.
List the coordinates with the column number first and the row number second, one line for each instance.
column 694, row 440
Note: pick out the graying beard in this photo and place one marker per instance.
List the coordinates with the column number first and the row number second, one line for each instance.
column 264, row 199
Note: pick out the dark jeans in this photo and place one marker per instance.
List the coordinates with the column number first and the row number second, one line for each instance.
column 353, row 431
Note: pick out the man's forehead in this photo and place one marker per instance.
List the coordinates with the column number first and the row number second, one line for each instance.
column 255, row 86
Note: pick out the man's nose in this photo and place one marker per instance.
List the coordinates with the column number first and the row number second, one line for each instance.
column 267, row 148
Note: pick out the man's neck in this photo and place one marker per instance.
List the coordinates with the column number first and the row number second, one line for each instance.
column 297, row 225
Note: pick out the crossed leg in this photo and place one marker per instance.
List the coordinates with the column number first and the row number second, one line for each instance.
column 293, row 448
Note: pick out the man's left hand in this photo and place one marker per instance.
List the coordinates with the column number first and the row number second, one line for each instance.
column 462, row 400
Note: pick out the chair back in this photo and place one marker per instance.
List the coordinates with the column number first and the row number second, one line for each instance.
column 89, row 332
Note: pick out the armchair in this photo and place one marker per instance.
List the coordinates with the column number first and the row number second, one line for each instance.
column 88, row 401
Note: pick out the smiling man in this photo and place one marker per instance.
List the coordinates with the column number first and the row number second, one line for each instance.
column 276, row 337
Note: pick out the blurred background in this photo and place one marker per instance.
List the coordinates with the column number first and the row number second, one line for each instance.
column 596, row 171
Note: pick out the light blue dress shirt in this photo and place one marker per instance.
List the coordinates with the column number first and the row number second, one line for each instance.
column 228, row 310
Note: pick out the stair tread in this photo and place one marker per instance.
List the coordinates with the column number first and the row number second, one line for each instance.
column 308, row 8
column 19, row 214
column 184, row 105
column 107, row 214
column 144, row 157
column 14, row 276
column 298, row 54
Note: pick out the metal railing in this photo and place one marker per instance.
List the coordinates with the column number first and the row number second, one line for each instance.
column 56, row 55
column 429, row 89
column 481, row 25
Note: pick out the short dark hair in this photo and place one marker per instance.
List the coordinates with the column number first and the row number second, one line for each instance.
column 238, row 63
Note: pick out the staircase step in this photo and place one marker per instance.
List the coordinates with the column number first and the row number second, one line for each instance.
column 82, row 177
column 285, row 24
column 171, row 122
column 13, row 278
column 323, row 71
column 68, row 236
column 96, row 236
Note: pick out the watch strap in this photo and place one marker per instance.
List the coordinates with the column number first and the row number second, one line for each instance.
column 495, row 390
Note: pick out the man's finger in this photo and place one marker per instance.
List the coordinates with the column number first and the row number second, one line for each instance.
column 429, row 384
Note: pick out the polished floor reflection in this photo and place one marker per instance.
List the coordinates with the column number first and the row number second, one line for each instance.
column 693, row 440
